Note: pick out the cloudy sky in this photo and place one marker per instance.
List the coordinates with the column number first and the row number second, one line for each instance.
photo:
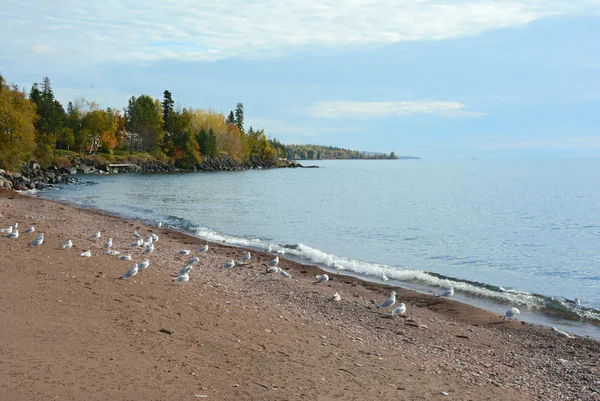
column 431, row 78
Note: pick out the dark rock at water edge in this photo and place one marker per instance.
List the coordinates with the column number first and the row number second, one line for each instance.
column 33, row 176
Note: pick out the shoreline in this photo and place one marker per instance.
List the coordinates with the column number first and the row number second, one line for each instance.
column 283, row 334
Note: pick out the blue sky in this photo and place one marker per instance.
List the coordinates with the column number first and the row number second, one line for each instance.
column 437, row 79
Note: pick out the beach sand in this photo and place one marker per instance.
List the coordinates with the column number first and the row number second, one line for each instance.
column 71, row 330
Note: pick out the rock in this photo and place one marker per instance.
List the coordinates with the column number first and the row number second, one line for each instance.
column 16, row 176
column 20, row 187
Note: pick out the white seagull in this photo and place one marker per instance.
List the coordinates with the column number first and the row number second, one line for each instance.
column 149, row 248
column 6, row 230
column 125, row 257
column 68, row 244
column 512, row 312
column 13, row 234
column 272, row 269
column 149, row 239
column 384, row 277
column 97, row 235
column 87, row 254
column 563, row 334
column 273, row 262
column 283, row 272
column 336, row 297
column 193, row 260
column 112, row 252
column 337, row 267
column 29, row 230
column 39, row 240
column 399, row 310
column 228, row 265
column 184, row 252
column 143, row 264
column 108, row 243
column 391, row 300
column 203, row 248
column 131, row 272
column 154, row 237
column 244, row 258
column 448, row 293
column 321, row 279
column 139, row 242
column 184, row 278
column 136, row 235
column 185, row 270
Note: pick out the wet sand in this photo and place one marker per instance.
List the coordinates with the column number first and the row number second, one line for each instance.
column 72, row 330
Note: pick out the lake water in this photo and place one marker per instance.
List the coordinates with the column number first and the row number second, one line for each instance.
column 511, row 232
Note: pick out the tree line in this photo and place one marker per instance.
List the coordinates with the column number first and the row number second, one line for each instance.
column 36, row 125
column 318, row 152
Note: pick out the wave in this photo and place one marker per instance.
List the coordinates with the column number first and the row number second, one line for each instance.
column 410, row 278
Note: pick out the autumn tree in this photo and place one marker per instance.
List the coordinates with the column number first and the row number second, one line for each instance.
column 17, row 129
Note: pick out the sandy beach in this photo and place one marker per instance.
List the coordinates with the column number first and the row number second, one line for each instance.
column 72, row 330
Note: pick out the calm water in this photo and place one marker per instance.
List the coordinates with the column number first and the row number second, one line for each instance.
column 530, row 227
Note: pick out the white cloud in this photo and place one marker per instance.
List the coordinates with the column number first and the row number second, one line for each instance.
column 367, row 110
column 91, row 31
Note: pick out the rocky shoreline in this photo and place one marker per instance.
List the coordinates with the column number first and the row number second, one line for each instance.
column 33, row 176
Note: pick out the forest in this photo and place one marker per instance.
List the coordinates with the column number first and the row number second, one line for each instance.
column 35, row 126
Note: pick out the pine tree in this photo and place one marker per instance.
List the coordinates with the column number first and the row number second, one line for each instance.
column 167, row 106
column 239, row 117
column 230, row 119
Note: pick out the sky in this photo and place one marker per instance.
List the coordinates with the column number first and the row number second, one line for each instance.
column 435, row 79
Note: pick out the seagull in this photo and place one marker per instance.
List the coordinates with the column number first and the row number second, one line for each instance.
column 6, row 230
column 154, row 237
column 131, row 272
column 272, row 269
column 139, row 242
column 87, row 254
column 185, row 270
column 448, row 293
column 97, row 235
column 384, row 277
column 67, row 244
column 337, row 267
column 576, row 301
column 143, row 264
column 512, row 312
column 399, row 310
column 321, row 279
column 149, row 248
column 159, row 224
column 113, row 252
column 193, row 260
column 244, row 258
column 228, row 265
column 29, row 230
column 184, row 278
column 283, row 272
column 281, row 251
column 149, row 239
column 202, row 248
column 184, row 252
column 136, row 235
column 108, row 243
column 335, row 297
column 13, row 234
column 391, row 300
column 38, row 240
column 125, row 257
column 561, row 333
column 273, row 262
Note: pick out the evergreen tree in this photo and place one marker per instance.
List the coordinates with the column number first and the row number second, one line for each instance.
column 230, row 119
column 239, row 117
column 167, row 106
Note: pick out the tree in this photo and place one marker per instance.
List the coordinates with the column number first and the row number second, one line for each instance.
column 145, row 119
column 230, row 119
column 239, row 117
column 17, row 130
column 167, row 106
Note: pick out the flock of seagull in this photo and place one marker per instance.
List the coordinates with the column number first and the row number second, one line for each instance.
column 182, row 276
